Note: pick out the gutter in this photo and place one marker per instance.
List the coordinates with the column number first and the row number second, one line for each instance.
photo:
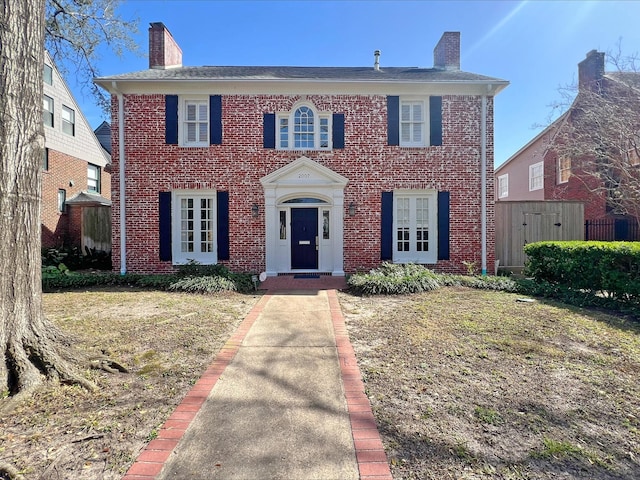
column 121, row 156
column 483, row 184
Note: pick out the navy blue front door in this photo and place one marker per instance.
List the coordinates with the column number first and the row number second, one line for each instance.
column 304, row 238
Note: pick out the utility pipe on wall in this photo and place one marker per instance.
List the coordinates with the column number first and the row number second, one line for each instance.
column 123, row 230
column 483, row 181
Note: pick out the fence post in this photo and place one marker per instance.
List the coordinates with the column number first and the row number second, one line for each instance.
column 586, row 230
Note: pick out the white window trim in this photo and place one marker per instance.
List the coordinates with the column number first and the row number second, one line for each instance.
column 431, row 256
column 532, row 179
column 182, row 120
column 179, row 257
column 51, row 102
column 71, row 121
column 290, row 117
column 97, row 179
column 426, row 140
column 503, row 181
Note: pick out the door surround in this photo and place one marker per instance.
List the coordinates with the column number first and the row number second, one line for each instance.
column 299, row 179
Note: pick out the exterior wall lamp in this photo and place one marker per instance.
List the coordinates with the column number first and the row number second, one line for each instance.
column 352, row 209
column 255, row 210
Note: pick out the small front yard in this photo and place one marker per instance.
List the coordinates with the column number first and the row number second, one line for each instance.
column 465, row 384
column 469, row 384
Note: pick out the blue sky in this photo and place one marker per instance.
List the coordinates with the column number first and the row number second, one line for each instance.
column 536, row 45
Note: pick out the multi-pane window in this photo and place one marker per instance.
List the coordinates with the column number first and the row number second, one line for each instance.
column 564, row 169
column 93, row 178
column 196, row 122
column 412, row 123
column 415, row 224
column 304, row 129
column 68, row 120
column 536, row 176
column 47, row 112
column 48, row 74
column 194, row 228
column 503, row 186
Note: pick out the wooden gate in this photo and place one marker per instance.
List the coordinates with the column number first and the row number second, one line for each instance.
column 520, row 223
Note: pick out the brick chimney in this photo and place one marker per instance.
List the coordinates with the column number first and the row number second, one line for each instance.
column 446, row 55
column 591, row 71
column 164, row 52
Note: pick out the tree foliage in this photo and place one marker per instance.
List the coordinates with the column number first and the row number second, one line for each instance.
column 600, row 134
column 76, row 31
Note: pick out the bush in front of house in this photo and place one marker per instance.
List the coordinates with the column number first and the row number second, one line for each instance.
column 606, row 269
column 481, row 282
column 391, row 279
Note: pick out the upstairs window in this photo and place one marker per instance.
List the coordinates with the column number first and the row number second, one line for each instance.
column 195, row 125
column 304, row 129
column 47, row 112
column 503, row 186
column 536, row 176
column 564, row 169
column 68, row 121
column 93, row 178
column 412, row 123
column 48, row 74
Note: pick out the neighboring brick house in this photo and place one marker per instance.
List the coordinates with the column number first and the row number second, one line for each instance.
column 74, row 162
column 537, row 172
column 324, row 170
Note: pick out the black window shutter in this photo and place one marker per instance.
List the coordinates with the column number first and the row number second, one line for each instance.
column 164, row 223
column 171, row 119
column 443, row 225
column 215, row 120
column 386, row 227
column 269, row 130
column 435, row 120
column 223, row 225
column 393, row 120
column 338, row 130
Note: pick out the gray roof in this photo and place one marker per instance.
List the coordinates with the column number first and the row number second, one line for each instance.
column 86, row 198
column 103, row 134
column 361, row 74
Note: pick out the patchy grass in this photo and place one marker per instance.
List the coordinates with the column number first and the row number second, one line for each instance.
column 166, row 340
column 476, row 384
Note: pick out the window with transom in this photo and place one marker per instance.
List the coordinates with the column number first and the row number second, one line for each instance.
column 304, row 129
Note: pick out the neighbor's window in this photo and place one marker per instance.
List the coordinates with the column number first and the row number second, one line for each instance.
column 45, row 160
column 93, row 178
column 304, row 129
column 536, row 176
column 47, row 112
column 68, row 121
column 503, row 186
column 564, row 169
column 48, row 74
column 62, row 200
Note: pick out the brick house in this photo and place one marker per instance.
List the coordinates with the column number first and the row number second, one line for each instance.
column 537, row 172
column 75, row 167
column 325, row 170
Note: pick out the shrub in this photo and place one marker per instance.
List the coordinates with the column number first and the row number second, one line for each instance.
column 394, row 279
column 503, row 284
column 204, row 284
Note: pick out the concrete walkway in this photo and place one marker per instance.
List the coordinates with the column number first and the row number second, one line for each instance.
column 283, row 400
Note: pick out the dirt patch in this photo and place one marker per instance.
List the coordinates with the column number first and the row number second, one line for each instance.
column 468, row 384
column 166, row 340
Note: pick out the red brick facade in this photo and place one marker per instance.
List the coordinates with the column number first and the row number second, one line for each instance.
column 62, row 229
column 236, row 166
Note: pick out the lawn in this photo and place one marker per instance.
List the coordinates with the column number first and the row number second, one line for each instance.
column 465, row 384
column 469, row 384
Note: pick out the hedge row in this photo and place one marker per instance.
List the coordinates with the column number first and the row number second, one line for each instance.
column 602, row 268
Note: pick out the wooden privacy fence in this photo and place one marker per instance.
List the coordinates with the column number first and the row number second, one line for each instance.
column 520, row 223
column 612, row 230
column 96, row 228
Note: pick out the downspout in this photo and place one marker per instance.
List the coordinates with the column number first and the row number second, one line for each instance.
column 483, row 181
column 121, row 157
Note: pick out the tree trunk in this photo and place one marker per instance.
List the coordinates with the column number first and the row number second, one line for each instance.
column 31, row 348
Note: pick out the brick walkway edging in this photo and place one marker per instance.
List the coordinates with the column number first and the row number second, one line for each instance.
column 370, row 455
